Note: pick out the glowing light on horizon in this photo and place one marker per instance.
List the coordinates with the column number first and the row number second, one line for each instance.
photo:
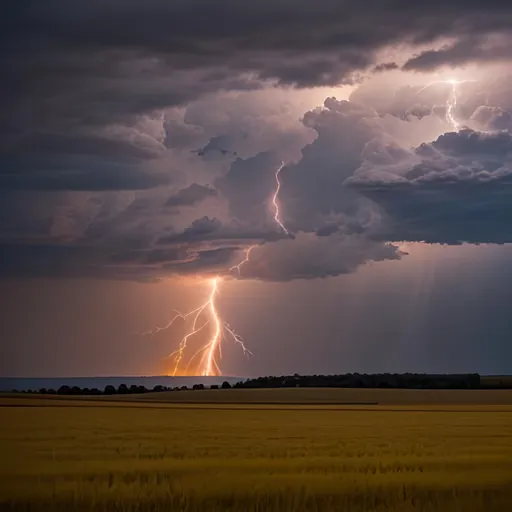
column 206, row 315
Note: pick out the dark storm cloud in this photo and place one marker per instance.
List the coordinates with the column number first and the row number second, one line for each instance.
column 115, row 260
column 248, row 187
column 191, row 195
column 311, row 257
column 86, row 109
column 111, row 72
column 312, row 189
column 100, row 179
column 385, row 66
column 72, row 69
column 212, row 230
column 453, row 190
column 464, row 51
column 200, row 229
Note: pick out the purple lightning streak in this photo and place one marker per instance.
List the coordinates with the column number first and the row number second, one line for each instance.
column 277, row 216
column 451, row 102
column 277, row 219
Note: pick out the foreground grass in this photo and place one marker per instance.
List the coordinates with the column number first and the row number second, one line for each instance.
column 193, row 459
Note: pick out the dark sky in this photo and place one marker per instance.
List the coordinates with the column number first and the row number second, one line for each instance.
column 139, row 145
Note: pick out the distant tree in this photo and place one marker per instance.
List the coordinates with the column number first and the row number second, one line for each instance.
column 75, row 390
column 158, row 389
column 183, row 388
column 43, row 391
column 198, row 386
column 52, row 392
column 133, row 389
column 176, row 388
column 123, row 389
column 110, row 390
column 64, row 390
column 214, row 386
column 226, row 385
column 95, row 391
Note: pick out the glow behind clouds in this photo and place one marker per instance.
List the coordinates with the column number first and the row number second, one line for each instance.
column 150, row 156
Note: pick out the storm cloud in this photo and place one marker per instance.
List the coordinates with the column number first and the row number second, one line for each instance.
column 148, row 152
column 453, row 190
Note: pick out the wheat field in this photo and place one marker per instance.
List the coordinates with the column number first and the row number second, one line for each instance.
column 126, row 456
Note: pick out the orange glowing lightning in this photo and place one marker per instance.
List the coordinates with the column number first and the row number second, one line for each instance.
column 208, row 315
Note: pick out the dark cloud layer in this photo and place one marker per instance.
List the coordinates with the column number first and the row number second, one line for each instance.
column 453, row 190
column 308, row 256
column 112, row 129
column 190, row 196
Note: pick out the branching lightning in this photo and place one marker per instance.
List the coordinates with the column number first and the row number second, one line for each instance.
column 239, row 266
column 451, row 102
column 204, row 361
column 202, row 317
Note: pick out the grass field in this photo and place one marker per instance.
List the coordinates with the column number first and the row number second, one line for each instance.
column 450, row 454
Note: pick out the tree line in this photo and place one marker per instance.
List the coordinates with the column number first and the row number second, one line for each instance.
column 357, row 380
column 122, row 389
column 351, row 380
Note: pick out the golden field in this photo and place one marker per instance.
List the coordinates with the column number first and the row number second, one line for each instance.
column 260, row 450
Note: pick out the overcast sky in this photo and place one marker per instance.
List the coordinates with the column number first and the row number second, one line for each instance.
column 142, row 145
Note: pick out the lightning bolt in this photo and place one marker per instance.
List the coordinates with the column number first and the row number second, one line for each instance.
column 277, row 216
column 205, row 359
column 451, row 102
column 205, row 315
column 239, row 266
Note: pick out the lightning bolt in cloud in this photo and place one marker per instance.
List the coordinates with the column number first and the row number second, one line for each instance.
column 451, row 102
column 205, row 360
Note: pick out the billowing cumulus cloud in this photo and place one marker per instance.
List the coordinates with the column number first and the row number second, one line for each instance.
column 145, row 153
column 453, row 190
column 190, row 196
column 309, row 256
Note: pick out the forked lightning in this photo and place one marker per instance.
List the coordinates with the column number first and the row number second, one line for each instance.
column 205, row 360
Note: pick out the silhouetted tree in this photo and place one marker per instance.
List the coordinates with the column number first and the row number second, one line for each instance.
column 198, row 386
column 64, row 390
column 214, row 386
column 226, row 385
column 110, row 390
column 123, row 389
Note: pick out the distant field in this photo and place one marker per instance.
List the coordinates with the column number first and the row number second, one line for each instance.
column 308, row 396
column 335, row 396
column 152, row 456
